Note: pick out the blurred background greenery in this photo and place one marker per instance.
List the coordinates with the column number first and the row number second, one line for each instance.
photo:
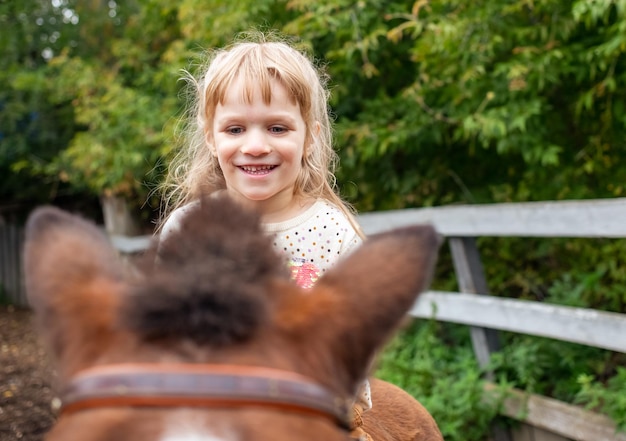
column 436, row 102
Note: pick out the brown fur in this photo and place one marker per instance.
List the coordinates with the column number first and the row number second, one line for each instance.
column 396, row 415
column 208, row 284
column 216, row 293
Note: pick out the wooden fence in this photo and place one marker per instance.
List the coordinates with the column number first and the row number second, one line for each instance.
column 11, row 278
column 543, row 419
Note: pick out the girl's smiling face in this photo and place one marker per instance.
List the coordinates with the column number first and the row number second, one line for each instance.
column 259, row 147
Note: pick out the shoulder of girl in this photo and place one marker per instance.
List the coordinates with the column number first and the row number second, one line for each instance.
column 175, row 218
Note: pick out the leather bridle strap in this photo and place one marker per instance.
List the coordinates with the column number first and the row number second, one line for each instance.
column 201, row 385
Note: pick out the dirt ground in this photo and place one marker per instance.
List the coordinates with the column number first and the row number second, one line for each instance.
column 26, row 379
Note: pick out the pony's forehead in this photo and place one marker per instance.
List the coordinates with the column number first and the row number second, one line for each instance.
column 183, row 426
column 200, row 435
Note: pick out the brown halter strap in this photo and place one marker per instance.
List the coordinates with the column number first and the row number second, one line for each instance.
column 201, row 385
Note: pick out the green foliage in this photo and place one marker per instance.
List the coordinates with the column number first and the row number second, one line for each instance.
column 95, row 84
column 121, row 136
column 571, row 272
column 32, row 128
column 533, row 364
column 436, row 102
column 447, row 382
column 434, row 361
column 609, row 399
column 447, row 101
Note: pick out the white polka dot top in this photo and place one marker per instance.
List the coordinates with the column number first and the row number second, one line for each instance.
column 313, row 241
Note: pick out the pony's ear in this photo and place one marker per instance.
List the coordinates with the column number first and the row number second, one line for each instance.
column 356, row 306
column 73, row 282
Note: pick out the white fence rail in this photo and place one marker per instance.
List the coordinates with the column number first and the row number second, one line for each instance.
column 588, row 218
column 590, row 327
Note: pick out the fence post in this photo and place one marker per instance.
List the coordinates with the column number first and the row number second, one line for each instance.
column 471, row 278
column 11, row 277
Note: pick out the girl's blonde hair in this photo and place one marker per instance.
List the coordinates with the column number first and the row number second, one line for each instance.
column 194, row 171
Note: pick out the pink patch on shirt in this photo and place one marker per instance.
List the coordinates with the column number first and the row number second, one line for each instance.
column 304, row 274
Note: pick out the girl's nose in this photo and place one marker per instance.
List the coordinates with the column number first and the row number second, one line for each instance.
column 255, row 144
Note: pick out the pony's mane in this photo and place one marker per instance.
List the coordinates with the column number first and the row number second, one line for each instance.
column 208, row 280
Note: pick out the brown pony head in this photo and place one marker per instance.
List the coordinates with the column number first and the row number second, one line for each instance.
column 214, row 294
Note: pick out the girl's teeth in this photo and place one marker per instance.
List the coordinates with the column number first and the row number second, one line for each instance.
column 256, row 169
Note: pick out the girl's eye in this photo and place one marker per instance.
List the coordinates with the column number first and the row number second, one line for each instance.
column 277, row 129
column 235, row 130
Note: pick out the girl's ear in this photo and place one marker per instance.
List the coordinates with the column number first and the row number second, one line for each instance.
column 208, row 138
column 317, row 129
column 315, row 132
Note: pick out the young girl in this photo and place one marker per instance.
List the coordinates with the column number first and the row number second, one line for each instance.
column 262, row 134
